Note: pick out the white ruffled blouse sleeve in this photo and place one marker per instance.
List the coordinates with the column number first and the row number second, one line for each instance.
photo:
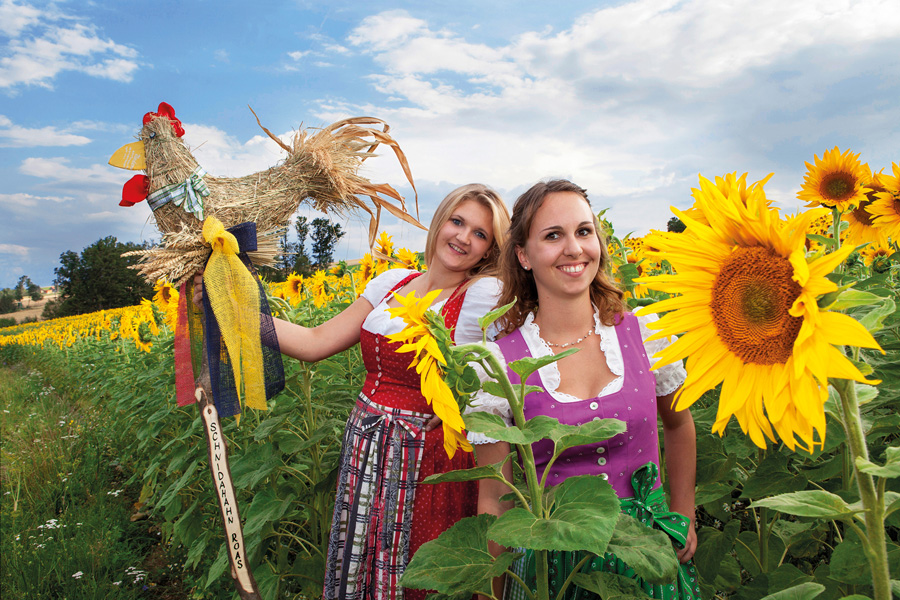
column 378, row 288
column 485, row 402
column 669, row 377
column 481, row 298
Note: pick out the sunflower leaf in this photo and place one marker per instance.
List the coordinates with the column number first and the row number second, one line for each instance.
column 804, row 591
column 524, row 367
column 809, row 503
column 874, row 320
column 488, row 319
column 493, row 426
column 850, row 298
column 647, row 551
column 610, row 586
column 584, row 516
column 891, row 468
column 458, row 561
column 822, row 239
column 492, row 471
column 591, row 432
column 891, row 503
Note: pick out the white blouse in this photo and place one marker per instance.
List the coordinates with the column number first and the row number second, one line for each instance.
column 481, row 297
column 668, row 377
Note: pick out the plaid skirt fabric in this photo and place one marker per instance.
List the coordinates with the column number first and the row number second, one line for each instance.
column 373, row 532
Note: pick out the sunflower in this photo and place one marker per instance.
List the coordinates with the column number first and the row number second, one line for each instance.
column 385, row 244
column 166, row 295
column 726, row 184
column 862, row 229
column 409, row 258
column 876, row 254
column 836, row 181
column 417, row 337
column 746, row 307
column 885, row 209
column 166, row 298
column 292, row 289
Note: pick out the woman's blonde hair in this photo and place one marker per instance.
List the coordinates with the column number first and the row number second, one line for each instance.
column 519, row 285
column 499, row 221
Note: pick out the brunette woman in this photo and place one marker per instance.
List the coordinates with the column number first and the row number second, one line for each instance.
column 555, row 262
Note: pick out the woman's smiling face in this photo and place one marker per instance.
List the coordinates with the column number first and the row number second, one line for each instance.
column 465, row 238
column 562, row 250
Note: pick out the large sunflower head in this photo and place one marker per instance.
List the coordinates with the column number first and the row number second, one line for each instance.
column 835, row 181
column 885, row 209
column 862, row 229
column 745, row 303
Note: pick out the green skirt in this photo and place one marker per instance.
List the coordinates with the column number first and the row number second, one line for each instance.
column 648, row 507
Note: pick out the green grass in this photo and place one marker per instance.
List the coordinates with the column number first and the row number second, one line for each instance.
column 65, row 510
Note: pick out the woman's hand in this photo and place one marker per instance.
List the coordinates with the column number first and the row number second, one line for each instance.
column 690, row 545
column 198, row 290
column 432, row 423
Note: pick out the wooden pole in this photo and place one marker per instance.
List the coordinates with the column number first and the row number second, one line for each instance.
column 221, row 473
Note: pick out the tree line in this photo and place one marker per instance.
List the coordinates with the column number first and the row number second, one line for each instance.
column 100, row 278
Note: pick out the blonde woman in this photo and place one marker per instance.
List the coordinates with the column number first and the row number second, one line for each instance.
column 382, row 515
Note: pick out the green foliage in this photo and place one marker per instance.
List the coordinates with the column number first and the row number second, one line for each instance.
column 325, row 236
column 283, row 461
column 99, row 278
column 65, row 530
column 459, row 562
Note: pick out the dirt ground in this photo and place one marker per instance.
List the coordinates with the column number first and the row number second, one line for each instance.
column 32, row 308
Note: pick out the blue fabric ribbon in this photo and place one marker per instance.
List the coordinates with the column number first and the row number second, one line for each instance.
column 188, row 195
column 220, row 373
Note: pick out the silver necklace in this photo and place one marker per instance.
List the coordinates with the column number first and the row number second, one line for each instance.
column 589, row 333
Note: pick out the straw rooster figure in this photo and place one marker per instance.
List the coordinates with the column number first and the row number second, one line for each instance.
column 321, row 167
column 193, row 210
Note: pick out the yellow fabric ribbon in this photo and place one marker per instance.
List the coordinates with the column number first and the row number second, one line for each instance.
column 234, row 297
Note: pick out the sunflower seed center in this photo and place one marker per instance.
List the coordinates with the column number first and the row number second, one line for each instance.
column 838, row 186
column 750, row 302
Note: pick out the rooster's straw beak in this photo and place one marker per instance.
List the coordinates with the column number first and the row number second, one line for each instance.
column 130, row 156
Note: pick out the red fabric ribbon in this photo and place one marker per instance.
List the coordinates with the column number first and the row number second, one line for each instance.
column 135, row 190
column 184, row 370
column 168, row 112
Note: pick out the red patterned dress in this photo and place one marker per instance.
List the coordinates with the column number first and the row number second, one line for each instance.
column 382, row 515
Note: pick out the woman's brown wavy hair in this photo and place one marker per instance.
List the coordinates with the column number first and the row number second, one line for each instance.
column 518, row 284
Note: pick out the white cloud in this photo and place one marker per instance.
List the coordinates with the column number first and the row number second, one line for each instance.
column 51, row 49
column 222, row 155
column 701, row 43
column 13, row 249
column 12, row 135
column 15, row 18
column 630, row 101
column 58, row 170
column 29, row 200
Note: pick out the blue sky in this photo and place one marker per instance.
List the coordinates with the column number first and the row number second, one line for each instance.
column 631, row 99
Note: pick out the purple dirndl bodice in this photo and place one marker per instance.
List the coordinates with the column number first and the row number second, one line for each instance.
column 635, row 404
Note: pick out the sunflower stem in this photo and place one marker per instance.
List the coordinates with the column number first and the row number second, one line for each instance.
column 874, row 515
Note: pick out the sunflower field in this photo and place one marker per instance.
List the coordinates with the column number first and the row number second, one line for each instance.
column 788, row 325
